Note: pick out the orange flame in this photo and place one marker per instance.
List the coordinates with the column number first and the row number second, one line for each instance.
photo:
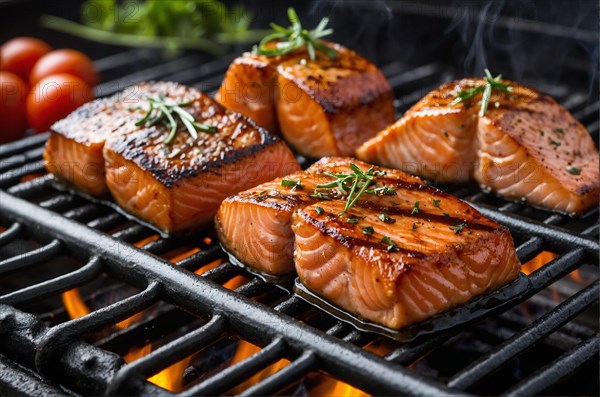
column 538, row 261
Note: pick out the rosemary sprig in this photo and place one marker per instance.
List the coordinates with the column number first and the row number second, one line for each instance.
column 162, row 110
column 294, row 37
column 491, row 83
column 352, row 185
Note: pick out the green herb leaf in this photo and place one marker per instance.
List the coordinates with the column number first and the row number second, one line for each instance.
column 384, row 190
column 295, row 37
column 291, row 183
column 161, row 109
column 319, row 210
column 414, row 227
column 368, row 230
column 491, row 83
column 353, row 219
column 385, row 218
column 391, row 244
column 436, row 203
column 458, row 228
column 573, row 170
column 415, row 209
column 352, row 185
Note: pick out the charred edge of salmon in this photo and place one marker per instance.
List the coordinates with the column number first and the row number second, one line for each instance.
column 379, row 89
column 169, row 177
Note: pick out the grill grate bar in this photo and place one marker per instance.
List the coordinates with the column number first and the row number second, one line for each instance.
column 11, row 177
column 235, row 374
column 58, row 338
column 195, row 261
column 23, row 144
column 252, row 287
column 107, row 222
column 133, row 233
column 555, row 269
column 529, row 249
column 409, row 353
column 22, row 158
column 86, row 211
column 60, row 203
column 131, row 377
column 10, row 234
column 284, row 377
column 221, row 273
column 54, row 286
column 31, row 258
column 560, row 368
column 526, row 338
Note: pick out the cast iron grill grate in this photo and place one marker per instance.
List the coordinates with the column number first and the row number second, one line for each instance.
column 44, row 227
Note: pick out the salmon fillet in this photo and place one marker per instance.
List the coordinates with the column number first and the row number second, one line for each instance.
column 406, row 271
column 445, row 252
column 525, row 147
column 323, row 107
column 180, row 186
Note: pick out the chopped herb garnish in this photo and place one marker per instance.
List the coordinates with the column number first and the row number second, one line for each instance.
column 491, row 83
column 553, row 142
column 352, row 185
column 414, row 227
column 262, row 193
column 295, row 37
column 319, row 210
column 290, row 183
column 353, row 219
column 576, row 153
column 320, row 195
column 573, row 170
column 385, row 218
column 415, row 209
column 446, row 214
column 560, row 131
column 384, row 190
column 368, row 230
column 436, row 203
column 458, row 228
column 161, row 110
column 391, row 244
column 446, row 134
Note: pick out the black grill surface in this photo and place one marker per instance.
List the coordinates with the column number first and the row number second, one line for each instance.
column 543, row 342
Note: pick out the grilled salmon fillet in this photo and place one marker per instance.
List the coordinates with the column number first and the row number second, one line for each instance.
column 410, row 266
column 525, row 147
column 323, row 107
column 180, row 186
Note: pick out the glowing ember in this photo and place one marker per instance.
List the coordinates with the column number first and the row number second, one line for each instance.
column 538, row 261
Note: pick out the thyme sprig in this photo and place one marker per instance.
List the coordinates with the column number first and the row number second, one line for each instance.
column 294, row 37
column 353, row 184
column 491, row 83
column 162, row 110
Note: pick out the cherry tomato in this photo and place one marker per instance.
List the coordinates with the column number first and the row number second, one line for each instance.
column 13, row 117
column 54, row 97
column 65, row 61
column 20, row 54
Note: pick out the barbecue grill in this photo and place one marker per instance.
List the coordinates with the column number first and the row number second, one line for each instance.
column 193, row 311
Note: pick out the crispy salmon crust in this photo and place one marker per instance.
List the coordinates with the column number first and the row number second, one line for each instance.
column 525, row 147
column 429, row 269
column 323, row 107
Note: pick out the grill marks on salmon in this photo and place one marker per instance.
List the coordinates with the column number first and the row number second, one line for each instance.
column 178, row 186
column 525, row 147
column 430, row 268
column 323, row 107
column 443, row 254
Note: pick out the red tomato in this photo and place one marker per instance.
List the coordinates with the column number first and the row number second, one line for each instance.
column 54, row 97
column 20, row 54
column 13, row 117
column 65, row 61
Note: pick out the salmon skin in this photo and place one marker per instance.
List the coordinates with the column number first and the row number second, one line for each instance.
column 174, row 187
column 323, row 107
column 525, row 147
column 393, row 259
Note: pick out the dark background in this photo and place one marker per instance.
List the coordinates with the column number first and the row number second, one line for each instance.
column 555, row 41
